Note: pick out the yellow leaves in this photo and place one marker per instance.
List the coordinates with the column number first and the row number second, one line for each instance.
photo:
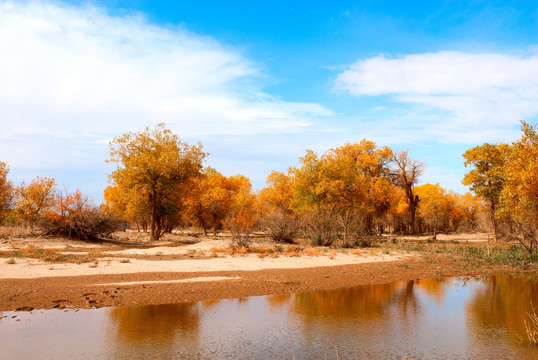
column 211, row 199
column 6, row 189
column 486, row 178
column 155, row 170
column 243, row 214
column 345, row 177
column 434, row 206
column 279, row 191
column 243, row 199
column 519, row 198
column 34, row 198
column 400, row 205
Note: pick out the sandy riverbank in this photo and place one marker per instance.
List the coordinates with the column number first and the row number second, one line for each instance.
column 187, row 269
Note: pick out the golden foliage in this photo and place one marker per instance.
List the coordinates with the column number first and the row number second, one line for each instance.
column 210, row 200
column 155, row 171
column 435, row 206
column 346, row 190
column 519, row 196
column 276, row 206
column 243, row 212
column 6, row 190
column 35, row 198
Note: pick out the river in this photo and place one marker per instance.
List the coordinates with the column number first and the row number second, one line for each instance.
column 449, row 318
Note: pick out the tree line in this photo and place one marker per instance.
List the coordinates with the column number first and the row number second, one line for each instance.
column 505, row 176
column 343, row 197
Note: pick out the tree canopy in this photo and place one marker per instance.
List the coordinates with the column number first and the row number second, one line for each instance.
column 155, row 169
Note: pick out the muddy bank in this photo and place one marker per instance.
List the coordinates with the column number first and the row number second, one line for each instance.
column 173, row 287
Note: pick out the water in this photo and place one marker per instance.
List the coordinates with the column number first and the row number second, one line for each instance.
column 422, row 319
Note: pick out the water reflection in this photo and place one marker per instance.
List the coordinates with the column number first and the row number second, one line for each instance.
column 421, row 319
column 435, row 288
column 153, row 328
column 375, row 320
column 501, row 304
column 365, row 302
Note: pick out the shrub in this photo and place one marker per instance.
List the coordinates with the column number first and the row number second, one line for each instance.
column 241, row 225
column 282, row 226
column 73, row 216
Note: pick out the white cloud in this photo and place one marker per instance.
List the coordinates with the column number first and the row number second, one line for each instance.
column 454, row 96
column 73, row 77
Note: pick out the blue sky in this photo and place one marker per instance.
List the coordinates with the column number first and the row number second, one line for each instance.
column 258, row 83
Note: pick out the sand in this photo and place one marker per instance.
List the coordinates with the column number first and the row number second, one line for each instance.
column 31, row 268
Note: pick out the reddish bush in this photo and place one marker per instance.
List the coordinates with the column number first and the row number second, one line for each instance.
column 74, row 216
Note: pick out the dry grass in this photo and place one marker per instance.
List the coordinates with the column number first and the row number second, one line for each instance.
column 291, row 251
column 241, row 250
column 262, row 249
column 531, row 326
column 311, row 251
column 52, row 250
column 373, row 252
column 29, row 250
column 292, row 248
column 217, row 250
column 229, row 250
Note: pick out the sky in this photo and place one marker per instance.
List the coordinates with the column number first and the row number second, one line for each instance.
column 258, row 83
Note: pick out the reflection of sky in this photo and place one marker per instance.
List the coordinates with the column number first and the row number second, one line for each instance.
column 439, row 318
column 417, row 319
column 53, row 334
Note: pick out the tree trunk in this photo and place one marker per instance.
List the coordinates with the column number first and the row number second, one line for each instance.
column 413, row 202
column 155, row 216
column 494, row 220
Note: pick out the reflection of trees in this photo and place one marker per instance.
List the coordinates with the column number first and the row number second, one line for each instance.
column 502, row 302
column 364, row 302
column 155, row 326
column 434, row 288
column 278, row 300
column 208, row 304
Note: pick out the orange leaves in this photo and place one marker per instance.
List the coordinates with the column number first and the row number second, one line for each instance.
column 73, row 215
column 520, row 192
column 519, row 196
column 66, row 207
column 243, row 213
column 6, row 189
column 506, row 176
column 243, row 220
column 487, row 175
column 155, row 172
column 279, row 191
column 34, row 198
column 346, row 189
column 434, row 207
column 210, row 201
column 276, row 205
column 348, row 176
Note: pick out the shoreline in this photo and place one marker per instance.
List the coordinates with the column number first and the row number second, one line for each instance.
column 152, row 288
column 37, row 273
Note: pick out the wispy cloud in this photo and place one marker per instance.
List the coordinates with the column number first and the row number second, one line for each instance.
column 73, row 77
column 451, row 96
